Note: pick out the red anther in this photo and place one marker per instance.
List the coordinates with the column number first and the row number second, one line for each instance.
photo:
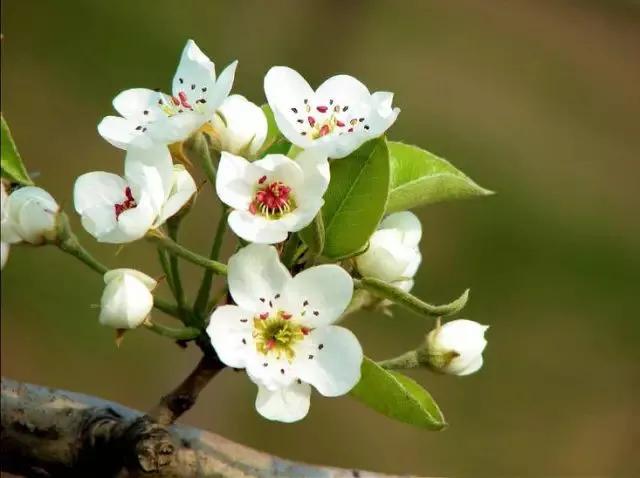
column 262, row 179
column 324, row 130
column 270, row 344
column 252, row 208
column 128, row 194
column 305, row 330
column 340, row 123
column 350, row 130
column 312, row 121
column 184, row 100
column 264, row 316
column 175, row 101
column 285, row 316
column 322, row 109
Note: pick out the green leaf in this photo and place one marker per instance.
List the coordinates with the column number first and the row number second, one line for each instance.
column 419, row 177
column 355, row 200
column 275, row 143
column 12, row 166
column 397, row 396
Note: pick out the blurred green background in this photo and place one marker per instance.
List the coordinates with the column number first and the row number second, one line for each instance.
column 539, row 101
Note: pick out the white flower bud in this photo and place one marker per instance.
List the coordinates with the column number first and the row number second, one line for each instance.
column 456, row 347
column 393, row 254
column 241, row 126
column 127, row 299
column 29, row 214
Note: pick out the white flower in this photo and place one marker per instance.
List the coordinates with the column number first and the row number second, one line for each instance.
column 240, row 126
column 337, row 118
column 274, row 195
column 281, row 331
column 456, row 347
column 29, row 215
column 393, row 254
column 127, row 299
column 149, row 116
column 119, row 210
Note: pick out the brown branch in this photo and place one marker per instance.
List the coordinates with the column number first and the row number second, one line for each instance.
column 51, row 433
column 178, row 401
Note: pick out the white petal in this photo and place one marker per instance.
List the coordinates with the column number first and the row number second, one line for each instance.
column 135, row 222
column 4, row 254
column 287, row 405
column 255, row 273
column 100, row 222
column 240, row 125
column 195, row 72
column 113, row 274
column 331, row 360
column 344, row 90
column 125, row 303
column 472, row 367
column 98, row 189
column 285, row 88
column 301, row 217
column 269, row 371
column 254, row 228
column 407, row 223
column 184, row 187
column 230, row 332
column 232, row 184
column 315, row 167
column 133, row 103
column 326, row 290
column 223, row 87
column 121, row 132
column 176, row 128
column 36, row 221
column 151, row 170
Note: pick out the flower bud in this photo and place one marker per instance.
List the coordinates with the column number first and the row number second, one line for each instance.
column 127, row 299
column 241, row 126
column 455, row 348
column 393, row 254
column 4, row 247
column 29, row 214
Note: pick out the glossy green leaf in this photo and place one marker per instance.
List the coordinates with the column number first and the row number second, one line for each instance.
column 275, row 143
column 12, row 165
column 355, row 200
column 419, row 177
column 397, row 396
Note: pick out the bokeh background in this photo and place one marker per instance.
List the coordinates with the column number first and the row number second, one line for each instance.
column 539, row 101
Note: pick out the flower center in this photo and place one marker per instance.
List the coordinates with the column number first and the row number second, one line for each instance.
column 277, row 335
column 173, row 105
column 272, row 200
column 128, row 203
column 323, row 119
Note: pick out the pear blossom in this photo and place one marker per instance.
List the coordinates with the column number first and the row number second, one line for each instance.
column 150, row 116
column 29, row 215
column 127, row 300
column 240, row 126
column 456, row 347
column 281, row 331
column 118, row 209
column 393, row 254
column 337, row 118
column 274, row 195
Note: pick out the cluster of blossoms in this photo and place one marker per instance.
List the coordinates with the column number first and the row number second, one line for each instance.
column 279, row 327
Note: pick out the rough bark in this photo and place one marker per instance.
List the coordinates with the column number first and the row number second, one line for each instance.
column 49, row 433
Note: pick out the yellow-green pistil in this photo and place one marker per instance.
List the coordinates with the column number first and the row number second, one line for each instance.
column 277, row 334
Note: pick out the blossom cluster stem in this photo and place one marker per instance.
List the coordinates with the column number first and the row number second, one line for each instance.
column 201, row 304
column 182, row 333
column 175, row 248
column 173, row 226
column 385, row 290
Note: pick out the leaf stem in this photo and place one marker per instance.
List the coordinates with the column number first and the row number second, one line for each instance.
column 387, row 291
column 406, row 360
column 172, row 246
